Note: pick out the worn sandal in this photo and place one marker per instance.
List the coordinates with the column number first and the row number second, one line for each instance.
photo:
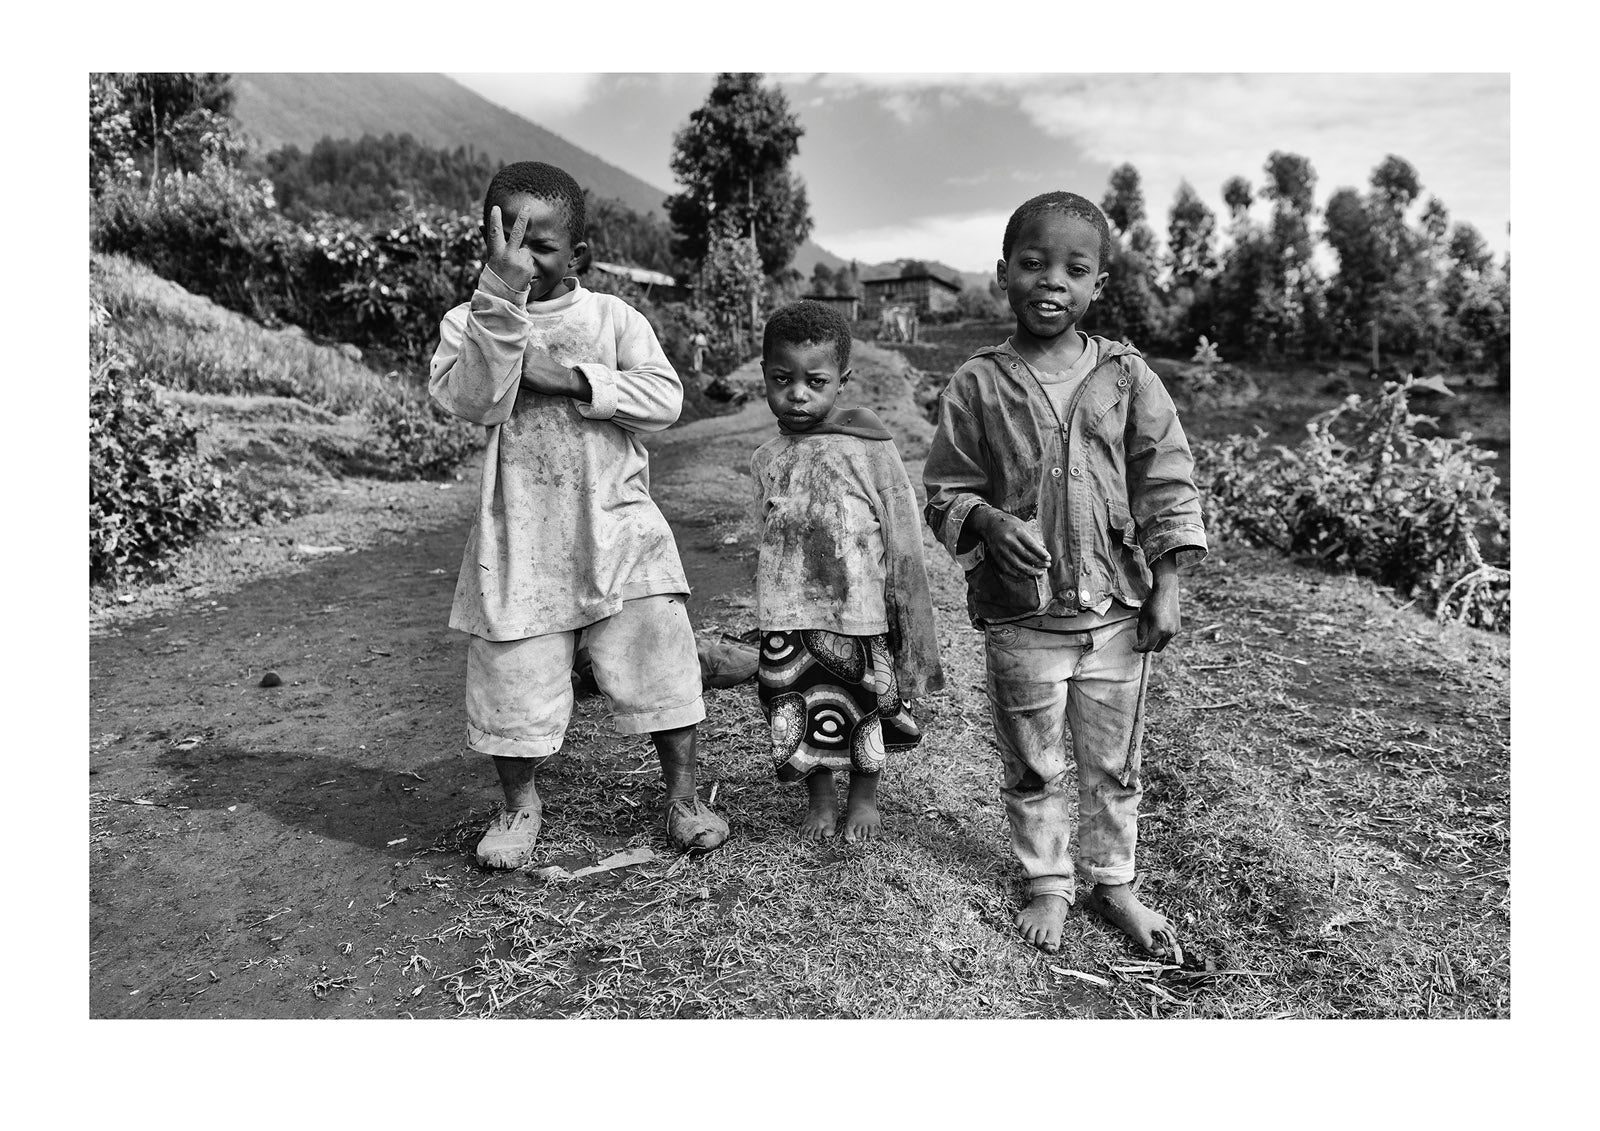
column 691, row 827
column 509, row 839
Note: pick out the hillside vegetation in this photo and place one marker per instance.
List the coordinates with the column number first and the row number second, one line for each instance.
column 278, row 419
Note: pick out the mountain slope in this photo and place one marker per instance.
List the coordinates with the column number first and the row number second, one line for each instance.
column 300, row 109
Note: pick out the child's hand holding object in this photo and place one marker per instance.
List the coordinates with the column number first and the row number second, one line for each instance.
column 1016, row 548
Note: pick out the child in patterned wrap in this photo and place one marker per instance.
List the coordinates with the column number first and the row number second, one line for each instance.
column 847, row 630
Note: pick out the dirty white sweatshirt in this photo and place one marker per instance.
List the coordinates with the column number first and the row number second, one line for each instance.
column 566, row 530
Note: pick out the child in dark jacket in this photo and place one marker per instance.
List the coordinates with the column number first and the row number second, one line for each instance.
column 1060, row 480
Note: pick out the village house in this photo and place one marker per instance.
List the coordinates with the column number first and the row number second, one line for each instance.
column 922, row 289
column 665, row 287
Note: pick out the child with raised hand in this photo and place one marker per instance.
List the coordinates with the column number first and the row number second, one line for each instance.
column 847, row 629
column 1060, row 479
column 567, row 539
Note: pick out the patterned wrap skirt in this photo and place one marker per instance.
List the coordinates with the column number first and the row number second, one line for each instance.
column 832, row 702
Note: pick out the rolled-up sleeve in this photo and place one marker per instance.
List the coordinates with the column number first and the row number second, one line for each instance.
column 478, row 364
column 643, row 393
column 1160, row 474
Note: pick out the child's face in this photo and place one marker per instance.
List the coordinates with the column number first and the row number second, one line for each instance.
column 1053, row 273
column 803, row 381
column 547, row 239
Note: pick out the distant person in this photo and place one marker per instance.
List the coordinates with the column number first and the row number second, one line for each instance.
column 846, row 622
column 1061, row 481
column 700, row 344
column 567, row 538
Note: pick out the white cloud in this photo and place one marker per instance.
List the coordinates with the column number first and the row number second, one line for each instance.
column 1455, row 128
column 968, row 242
column 1206, row 128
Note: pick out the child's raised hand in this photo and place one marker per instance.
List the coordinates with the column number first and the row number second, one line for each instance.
column 507, row 257
column 1016, row 549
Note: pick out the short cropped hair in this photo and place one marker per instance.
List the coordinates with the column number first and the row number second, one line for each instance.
column 807, row 323
column 1070, row 203
column 543, row 182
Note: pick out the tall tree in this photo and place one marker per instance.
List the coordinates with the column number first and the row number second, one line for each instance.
column 1123, row 203
column 1191, row 237
column 1192, row 260
column 847, row 280
column 175, row 114
column 1130, row 306
column 1238, row 196
column 1353, row 290
column 1247, row 270
column 732, row 159
column 1294, row 305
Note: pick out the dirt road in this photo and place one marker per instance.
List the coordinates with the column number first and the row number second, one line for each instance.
column 250, row 845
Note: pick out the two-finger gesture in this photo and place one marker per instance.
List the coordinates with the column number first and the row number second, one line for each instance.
column 507, row 257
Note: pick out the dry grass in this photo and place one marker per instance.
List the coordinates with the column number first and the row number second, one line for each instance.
column 183, row 341
column 1325, row 819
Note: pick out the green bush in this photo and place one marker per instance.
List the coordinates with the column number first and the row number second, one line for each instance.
column 418, row 440
column 387, row 287
column 1365, row 491
column 218, row 233
column 150, row 493
column 214, row 232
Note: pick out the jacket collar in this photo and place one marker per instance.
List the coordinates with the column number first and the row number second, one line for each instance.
column 1108, row 350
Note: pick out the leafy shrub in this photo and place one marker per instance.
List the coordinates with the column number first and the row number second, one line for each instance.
column 217, row 233
column 388, row 286
column 149, row 491
column 1208, row 380
column 214, row 232
column 1364, row 491
column 418, row 440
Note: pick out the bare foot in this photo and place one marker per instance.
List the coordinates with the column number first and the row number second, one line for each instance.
column 1148, row 928
column 1040, row 921
column 822, row 813
column 862, row 821
column 508, row 841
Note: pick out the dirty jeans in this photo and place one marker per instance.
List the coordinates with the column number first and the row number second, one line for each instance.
column 1040, row 685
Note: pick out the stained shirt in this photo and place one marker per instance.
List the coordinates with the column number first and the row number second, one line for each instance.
column 566, row 530
column 841, row 547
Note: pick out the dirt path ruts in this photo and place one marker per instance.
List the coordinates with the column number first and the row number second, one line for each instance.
column 255, row 851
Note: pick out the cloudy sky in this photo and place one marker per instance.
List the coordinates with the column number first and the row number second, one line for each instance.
column 929, row 166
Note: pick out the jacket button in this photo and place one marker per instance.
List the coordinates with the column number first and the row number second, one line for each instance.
column 1083, row 596
column 1122, row 382
column 1055, row 473
column 1077, row 473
